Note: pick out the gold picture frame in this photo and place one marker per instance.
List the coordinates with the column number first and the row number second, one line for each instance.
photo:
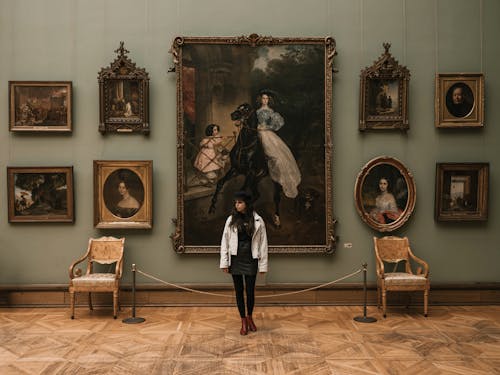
column 40, row 106
column 384, row 90
column 221, row 78
column 461, row 191
column 459, row 100
column 40, row 194
column 123, row 194
column 123, row 96
column 385, row 194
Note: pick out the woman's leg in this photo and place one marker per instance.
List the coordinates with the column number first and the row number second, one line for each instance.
column 250, row 290
column 238, row 288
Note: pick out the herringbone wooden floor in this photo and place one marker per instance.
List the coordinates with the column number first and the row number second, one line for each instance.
column 289, row 340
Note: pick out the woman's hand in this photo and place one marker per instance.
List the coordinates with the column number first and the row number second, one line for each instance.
column 225, row 270
column 262, row 273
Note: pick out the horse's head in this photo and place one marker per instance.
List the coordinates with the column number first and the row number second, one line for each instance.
column 241, row 113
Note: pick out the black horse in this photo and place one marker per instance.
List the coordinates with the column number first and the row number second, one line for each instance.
column 248, row 158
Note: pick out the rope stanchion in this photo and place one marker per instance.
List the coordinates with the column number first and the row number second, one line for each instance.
column 364, row 318
column 133, row 319
column 263, row 296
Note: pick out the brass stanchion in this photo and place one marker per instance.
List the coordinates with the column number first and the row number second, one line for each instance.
column 364, row 318
column 133, row 319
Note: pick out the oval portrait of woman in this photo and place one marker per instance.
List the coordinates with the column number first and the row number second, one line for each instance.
column 123, row 193
column 385, row 194
column 459, row 100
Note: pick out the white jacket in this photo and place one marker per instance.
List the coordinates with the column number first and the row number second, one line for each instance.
column 229, row 243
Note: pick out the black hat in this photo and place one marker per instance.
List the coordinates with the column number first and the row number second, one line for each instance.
column 243, row 195
column 268, row 92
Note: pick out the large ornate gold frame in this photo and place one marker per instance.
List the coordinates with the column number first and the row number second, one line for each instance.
column 254, row 41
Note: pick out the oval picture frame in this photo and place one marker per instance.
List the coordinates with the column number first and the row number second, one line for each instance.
column 385, row 205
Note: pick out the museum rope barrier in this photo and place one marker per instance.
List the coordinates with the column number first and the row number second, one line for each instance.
column 135, row 270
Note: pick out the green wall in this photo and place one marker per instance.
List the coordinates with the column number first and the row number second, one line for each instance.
column 71, row 40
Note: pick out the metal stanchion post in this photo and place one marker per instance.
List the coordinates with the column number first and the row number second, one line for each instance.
column 364, row 318
column 133, row 319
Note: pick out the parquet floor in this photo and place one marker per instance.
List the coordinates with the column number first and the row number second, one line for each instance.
column 290, row 340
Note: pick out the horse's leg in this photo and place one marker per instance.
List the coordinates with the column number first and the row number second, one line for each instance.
column 230, row 174
column 277, row 199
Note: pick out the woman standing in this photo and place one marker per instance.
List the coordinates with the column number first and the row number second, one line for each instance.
column 243, row 253
column 282, row 166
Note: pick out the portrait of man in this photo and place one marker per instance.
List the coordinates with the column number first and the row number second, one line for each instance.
column 459, row 100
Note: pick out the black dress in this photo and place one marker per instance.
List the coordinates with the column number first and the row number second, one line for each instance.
column 243, row 263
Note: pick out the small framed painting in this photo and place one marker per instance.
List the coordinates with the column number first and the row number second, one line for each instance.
column 461, row 191
column 123, row 194
column 459, row 101
column 40, row 194
column 40, row 106
column 385, row 194
column 384, row 88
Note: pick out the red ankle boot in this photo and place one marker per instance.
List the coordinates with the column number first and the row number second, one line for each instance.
column 251, row 324
column 244, row 327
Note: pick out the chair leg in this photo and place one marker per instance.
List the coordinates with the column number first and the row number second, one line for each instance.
column 378, row 296
column 90, row 302
column 384, row 301
column 426, row 297
column 115, row 304
column 72, row 304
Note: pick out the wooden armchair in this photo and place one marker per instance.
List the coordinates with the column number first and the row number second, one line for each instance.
column 104, row 250
column 392, row 249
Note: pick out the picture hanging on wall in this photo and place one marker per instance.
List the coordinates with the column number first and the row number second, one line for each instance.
column 123, row 96
column 123, row 194
column 254, row 114
column 40, row 106
column 40, row 194
column 459, row 100
column 384, row 86
column 461, row 191
column 385, row 194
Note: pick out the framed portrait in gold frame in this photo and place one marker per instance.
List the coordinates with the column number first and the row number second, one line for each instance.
column 459, row 100
column 385, row 194
column 123, row 194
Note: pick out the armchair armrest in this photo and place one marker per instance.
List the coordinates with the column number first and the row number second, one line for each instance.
column 72, row 275
column 118, row 269
column 421, row 262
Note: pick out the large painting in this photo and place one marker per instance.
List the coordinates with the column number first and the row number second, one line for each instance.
column 254, row 114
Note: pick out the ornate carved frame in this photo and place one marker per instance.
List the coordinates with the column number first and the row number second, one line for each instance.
column 466, row 171
column 385, row 70
column 123, row 71
column 359, row 197
column 254, row 40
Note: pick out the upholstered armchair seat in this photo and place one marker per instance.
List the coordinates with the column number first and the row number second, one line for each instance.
column 403, row 278
column 94, row 280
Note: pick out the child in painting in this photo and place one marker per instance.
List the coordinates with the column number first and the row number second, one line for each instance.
column 210, row 158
